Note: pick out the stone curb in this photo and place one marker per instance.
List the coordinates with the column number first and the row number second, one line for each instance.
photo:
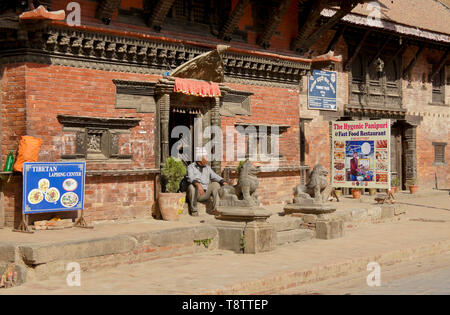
column 43, row 259
column 275, row 283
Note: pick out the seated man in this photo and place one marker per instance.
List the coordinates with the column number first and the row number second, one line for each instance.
column 204, row 183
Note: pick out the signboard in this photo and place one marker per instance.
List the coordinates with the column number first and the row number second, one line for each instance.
column 51, row 187
column 361, row 154
column 322, row 92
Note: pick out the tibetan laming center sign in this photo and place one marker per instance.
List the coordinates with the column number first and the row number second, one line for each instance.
column 361, row 154
column 53, row 186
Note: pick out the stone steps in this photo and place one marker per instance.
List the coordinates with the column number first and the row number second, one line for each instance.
column 290, row 230
column 292, row 236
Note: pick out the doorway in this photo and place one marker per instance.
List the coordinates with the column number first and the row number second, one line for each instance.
column 182, row 139
column 398, row 149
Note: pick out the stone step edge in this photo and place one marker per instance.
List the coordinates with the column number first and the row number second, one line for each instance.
column 306, row 235
column 37, row 261
column 276, row 283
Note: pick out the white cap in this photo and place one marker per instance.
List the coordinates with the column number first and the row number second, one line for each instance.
column 200, row 152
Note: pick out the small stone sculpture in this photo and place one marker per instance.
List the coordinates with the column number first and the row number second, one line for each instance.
column 312, row 197
column 315, row 188
column 244, row 193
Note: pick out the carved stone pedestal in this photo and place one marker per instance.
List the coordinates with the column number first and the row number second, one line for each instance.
column 245, row 229
column 309, row 208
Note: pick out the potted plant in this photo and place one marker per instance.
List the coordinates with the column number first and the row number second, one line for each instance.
column 356, row 192
column 372, row 191
column 413, row 187
column 395, row 183
column 171, row 202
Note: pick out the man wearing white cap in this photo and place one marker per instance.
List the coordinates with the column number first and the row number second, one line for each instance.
column 204, row 183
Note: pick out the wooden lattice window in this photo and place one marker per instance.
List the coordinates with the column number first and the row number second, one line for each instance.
column 438, row 87
column 439, row 152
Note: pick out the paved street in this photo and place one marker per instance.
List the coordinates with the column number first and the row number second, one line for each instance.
column 426, row 276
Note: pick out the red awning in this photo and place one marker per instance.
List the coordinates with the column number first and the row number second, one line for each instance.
column 196, row 88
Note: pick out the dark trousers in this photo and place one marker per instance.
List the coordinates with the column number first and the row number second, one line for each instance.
column 193, row 196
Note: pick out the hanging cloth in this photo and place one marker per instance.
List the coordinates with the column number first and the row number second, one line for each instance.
column 196, row 88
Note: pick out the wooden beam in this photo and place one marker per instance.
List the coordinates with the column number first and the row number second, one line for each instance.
column 159, row 14
column 346, row 8
column 413, row 61
column 335, row 39
column 401, row 49
column 230, row 25
column 349, row 62
column 440, row 65
column 106, row 9
column 309, row 23
column 273, row 23
column 380, row 51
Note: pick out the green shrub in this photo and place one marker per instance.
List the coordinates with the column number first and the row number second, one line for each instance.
column 395, row 182
column 173, row 171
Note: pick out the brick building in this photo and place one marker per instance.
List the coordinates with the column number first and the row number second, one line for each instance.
column 97, row 91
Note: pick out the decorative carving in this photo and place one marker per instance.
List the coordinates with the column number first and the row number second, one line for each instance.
column 115, row 53
column 273, row 23
column 159, row 13
column 106, row 9
column 230, row 25
column 207, row 66
column 244, row 193
column 94, row 136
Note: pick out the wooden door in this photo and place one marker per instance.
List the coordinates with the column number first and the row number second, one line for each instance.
column 396, row 153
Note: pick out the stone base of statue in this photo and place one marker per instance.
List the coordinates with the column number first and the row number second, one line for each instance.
column 245, row 229
column 241, row 221
column 309, row 206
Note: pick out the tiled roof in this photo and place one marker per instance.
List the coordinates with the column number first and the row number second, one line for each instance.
column 430, row 15
column 422, row 18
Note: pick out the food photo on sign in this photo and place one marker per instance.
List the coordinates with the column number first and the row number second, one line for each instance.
column 359, row 161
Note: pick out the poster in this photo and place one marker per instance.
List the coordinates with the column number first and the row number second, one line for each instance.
column 51, row 187
column 361, row 154
column 322, row 93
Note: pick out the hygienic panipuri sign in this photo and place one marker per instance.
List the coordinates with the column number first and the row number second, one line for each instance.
column 361, row 154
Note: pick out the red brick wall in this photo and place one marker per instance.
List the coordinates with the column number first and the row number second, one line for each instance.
column 272, row 106
column 434, row 126
column 33, row 95
column 12, row 108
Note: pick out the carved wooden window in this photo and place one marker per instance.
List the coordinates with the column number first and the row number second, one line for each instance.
column 375, row 81
column 96, row 138
column 439, row 152
column 438, row 87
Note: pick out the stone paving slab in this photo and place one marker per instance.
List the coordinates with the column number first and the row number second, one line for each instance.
column 223, row 272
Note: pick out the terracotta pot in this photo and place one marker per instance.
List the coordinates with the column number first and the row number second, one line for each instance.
column 372, row 191
column 413, row 189
column 356, row 193
column 394, row 189
column 171, row 205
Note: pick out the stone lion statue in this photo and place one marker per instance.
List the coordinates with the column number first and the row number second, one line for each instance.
column 244, row 193
column 315, row 187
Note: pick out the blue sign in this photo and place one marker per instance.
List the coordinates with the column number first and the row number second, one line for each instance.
column 52, row 187
column 322, row 90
